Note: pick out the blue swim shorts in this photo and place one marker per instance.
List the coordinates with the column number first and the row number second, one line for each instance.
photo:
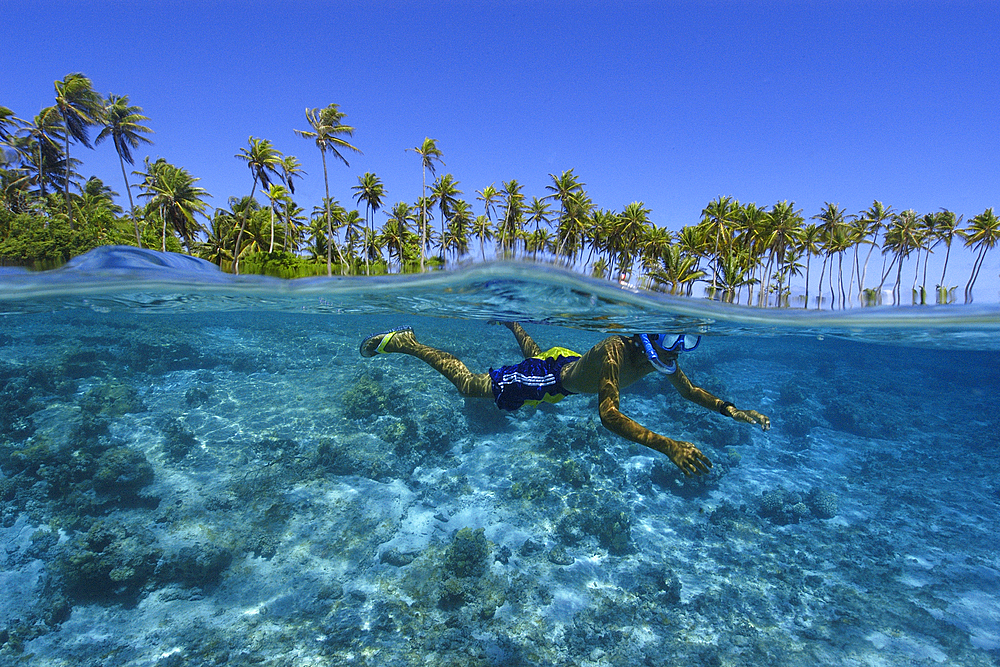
column 532, row 381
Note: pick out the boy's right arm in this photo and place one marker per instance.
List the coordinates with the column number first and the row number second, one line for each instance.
column 685, row 456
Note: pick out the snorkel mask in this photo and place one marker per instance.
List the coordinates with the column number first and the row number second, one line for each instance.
column 673, row 343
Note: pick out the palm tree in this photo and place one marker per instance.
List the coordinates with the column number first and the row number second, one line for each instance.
column 428, row 152
column 489, row 196
column 371, row 191
column 263, row 160
column 216, row 247
column 482, row 229
column 632, row 226
column 510, row 227
column 172, row 192
column 395, row 231
column 123, row 123
column 445, row 193
column 809, row 243
column 717, row 218
column 573, row 225
column 294, row 223
column 875, row 218
column 900, row 239
column 562, row 188
column 328, row 130
column 947, row 225
column 275, row 193
column 7, row 119
column 982, row 233
column 45, row 131
column 80, row 107
column 784, row 232
column 832, row 219
column 456, row 237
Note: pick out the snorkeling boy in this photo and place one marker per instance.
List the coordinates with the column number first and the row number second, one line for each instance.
column 608, row 367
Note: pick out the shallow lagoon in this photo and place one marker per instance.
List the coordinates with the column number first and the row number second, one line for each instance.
column 202, row 470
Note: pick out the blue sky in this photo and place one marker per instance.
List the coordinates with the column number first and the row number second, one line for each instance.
column 669, row 103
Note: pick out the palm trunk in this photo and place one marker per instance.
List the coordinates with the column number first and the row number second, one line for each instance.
column 270, row 248
column 131, row 206
column 423, row 218
column 239, row 234
column 69, row 209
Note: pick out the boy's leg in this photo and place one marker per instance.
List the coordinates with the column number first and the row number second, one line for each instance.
column 529, row 348
column 473, row 385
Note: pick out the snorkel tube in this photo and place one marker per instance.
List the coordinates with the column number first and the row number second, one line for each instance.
column 679, row 344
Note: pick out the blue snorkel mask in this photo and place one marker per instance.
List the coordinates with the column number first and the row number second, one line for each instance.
column 673, row 343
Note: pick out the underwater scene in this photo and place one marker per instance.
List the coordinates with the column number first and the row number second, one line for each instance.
column 201, row 469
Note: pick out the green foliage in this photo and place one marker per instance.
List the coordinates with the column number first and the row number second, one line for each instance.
column 280, row 264
column 43, row 242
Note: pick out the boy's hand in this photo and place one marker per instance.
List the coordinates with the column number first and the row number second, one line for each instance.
column 689, row 458
column 752, row 417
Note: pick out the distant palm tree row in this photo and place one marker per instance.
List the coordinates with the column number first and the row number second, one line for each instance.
column 738, row 252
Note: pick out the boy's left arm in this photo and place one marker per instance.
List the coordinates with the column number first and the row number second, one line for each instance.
column 698, row 395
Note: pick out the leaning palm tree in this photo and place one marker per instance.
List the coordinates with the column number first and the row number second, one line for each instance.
column 428, row 152
column 328, row 130
column 809, row 243
column 81, row 108
column 900, row 239
column 945, row 230
column 123, row 123
column 983, row 233
column 370, row 191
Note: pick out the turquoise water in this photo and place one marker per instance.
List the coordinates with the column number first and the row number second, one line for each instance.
column 201, row 469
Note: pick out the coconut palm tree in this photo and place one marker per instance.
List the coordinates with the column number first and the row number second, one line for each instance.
column 538, row 213
column 456, row 237
column 295, row 221
column 562, row 188
column 809, row 243
column 632, row 226
column 429, row 152
column 717, row 218
column 875, row 218
column 784, row 231
column 172, row 193
column 264, row 161
column 396, row 232
column 489, row 196
column 573, row 225
column 482, row 229
column 831, row 219
column 445, row 192
column 328, row 131
column 901, row 239
column 947, row 225
column 276, row 194
column 123, row 123
column 7, row 120
column 81, row 108
column 44, row 134
column 371, row 191
column 511, row 225
column 982, row 234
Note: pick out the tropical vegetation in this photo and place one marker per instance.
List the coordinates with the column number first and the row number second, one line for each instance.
column 737, row 252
